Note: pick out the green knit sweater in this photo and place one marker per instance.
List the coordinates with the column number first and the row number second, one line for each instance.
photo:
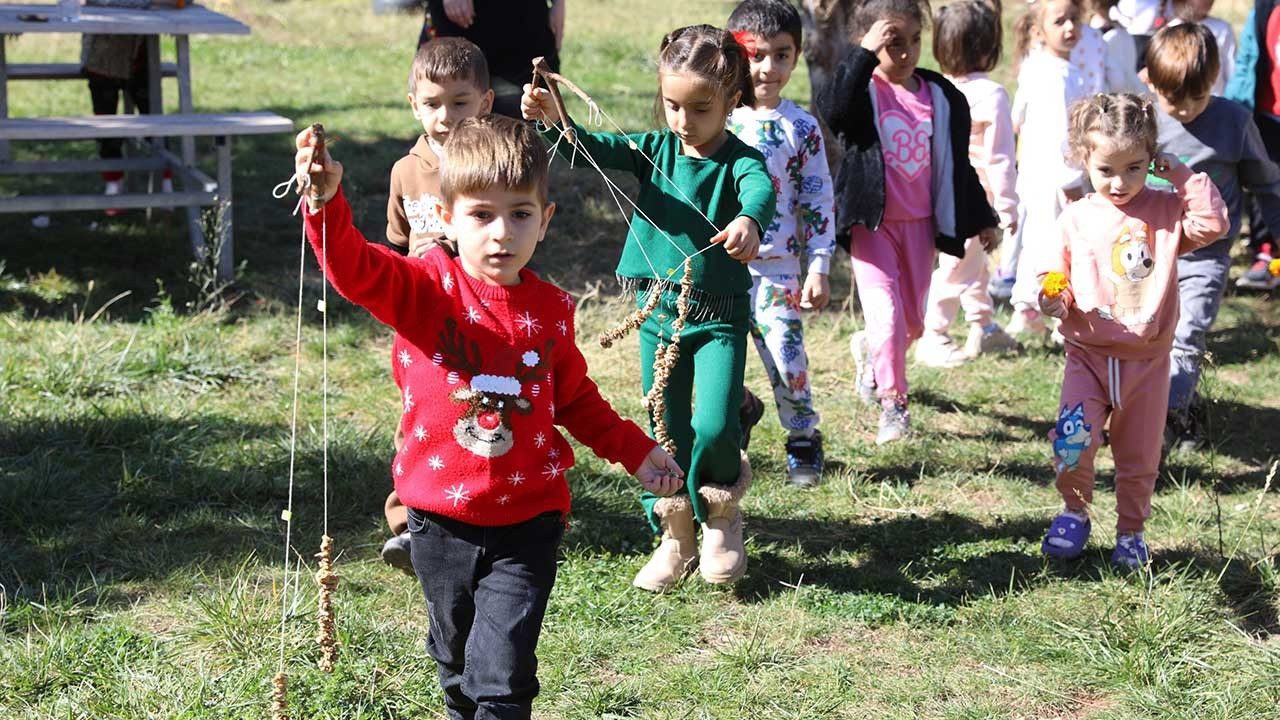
column 732, row 182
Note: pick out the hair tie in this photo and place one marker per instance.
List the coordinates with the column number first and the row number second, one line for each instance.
column 746, row 41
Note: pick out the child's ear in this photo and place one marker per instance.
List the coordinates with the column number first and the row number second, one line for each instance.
column 547, row 212
column 734, row 100
column 413, row 104
column 486, row 102
column 445, row 214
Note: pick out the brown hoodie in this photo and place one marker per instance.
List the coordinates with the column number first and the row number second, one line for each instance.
column 415, row 190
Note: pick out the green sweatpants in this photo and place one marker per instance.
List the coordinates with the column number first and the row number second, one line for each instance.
column 703, row 424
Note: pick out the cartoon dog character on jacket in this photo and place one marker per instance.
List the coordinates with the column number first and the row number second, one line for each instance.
column 1131, row 268
column 1072, row 437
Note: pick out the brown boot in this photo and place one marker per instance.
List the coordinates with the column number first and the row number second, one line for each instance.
column 677, row 553
column 724, row 558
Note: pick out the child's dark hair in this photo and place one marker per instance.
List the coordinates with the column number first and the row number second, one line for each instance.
column 449, row 58
column 708, row 53
column 967, row 37
column 870, row 11
column 1026, row 23
column 1182, row 61
column 493, row 150
column 1122, row 119
column 766, row 18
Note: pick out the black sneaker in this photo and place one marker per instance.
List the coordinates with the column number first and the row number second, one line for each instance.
column 1184, row 430
column 395, row 552
column 749, row 414
column 804, row 460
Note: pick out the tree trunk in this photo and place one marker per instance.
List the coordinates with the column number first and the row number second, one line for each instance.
column 826, row 43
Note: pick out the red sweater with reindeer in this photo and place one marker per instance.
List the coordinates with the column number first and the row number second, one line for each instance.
column 485, row 373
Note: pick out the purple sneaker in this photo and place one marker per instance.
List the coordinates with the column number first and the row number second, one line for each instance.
column 1131, row 552
column 1066, row 537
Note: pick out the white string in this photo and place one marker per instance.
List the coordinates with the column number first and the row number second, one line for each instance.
column 593, row 106
column 293, row 444
column 324, row 358
column 619, row 191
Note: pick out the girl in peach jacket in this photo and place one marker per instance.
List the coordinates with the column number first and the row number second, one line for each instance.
column 1111, row 276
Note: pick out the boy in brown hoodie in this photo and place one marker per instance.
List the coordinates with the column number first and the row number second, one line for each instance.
column 448, row 83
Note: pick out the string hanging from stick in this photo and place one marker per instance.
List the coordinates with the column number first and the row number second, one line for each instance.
column 308, row 183
column 666, row 356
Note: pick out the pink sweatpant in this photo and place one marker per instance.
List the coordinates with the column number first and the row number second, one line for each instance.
column 1135, row 394
column 891, row 267
column 959, row 282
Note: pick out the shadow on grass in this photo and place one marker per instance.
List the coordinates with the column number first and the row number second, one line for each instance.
column 102, row 499
column 1235, row 431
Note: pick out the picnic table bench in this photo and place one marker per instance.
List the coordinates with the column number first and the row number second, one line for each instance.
column 198, row 189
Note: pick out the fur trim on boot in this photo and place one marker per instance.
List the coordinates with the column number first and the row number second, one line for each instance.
column 677, row 553
column 724, row 557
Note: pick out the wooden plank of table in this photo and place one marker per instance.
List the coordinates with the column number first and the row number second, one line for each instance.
column 85, row 165
column 132, row 126
column 125, row 201
column 191, row 20
column 66, row 71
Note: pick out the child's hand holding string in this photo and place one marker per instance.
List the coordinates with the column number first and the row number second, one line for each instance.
column 536, row 104
column 659, row 473
column 741, row 239
column 305, row 164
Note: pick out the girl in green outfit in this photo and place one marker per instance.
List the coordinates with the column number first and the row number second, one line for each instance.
column 700, row 186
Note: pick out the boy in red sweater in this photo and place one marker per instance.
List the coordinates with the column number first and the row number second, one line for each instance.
column 487, row 365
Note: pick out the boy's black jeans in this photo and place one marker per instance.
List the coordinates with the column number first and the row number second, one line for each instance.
column 486, row 590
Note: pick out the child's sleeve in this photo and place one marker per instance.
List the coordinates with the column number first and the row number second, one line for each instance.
column 609, row 150
column 1259, row 174
column 397, row 221
column 1204, row 215
column 1000, row 147
column 394, row 289
column 1054, row 256
column 587, row 416
column 817, row 203
column 1243, row 82
column 843, row 103
column 1227, row 55
column 754, row 188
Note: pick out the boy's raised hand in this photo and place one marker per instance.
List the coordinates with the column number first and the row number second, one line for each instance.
column 659, row 473
column 741, row 239
column 536, row 104
column 305, row 164
column 816, row 292
column 880, row 34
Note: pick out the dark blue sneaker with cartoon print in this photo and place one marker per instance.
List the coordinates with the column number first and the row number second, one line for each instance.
column 804, row 460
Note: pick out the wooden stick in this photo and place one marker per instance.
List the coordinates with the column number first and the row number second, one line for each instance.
column 540, row 67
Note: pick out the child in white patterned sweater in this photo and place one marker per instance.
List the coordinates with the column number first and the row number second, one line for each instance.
column 791, row 142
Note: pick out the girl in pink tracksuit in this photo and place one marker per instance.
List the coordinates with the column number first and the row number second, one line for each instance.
column 1118, row 249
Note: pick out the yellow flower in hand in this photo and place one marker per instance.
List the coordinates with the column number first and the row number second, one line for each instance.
column 1053, row 284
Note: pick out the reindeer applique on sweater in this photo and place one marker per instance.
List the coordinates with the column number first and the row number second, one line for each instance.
column 485, row 427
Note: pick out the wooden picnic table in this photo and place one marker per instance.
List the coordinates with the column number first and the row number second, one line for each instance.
column 181, row 23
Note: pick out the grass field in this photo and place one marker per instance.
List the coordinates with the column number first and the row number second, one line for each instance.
column 144, row 455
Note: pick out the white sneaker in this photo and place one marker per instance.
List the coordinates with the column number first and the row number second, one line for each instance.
column 938, row 350
column 1027, row 322
column 113, row 187
column 989, row 340
column 895, row 423
column 863, row 374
